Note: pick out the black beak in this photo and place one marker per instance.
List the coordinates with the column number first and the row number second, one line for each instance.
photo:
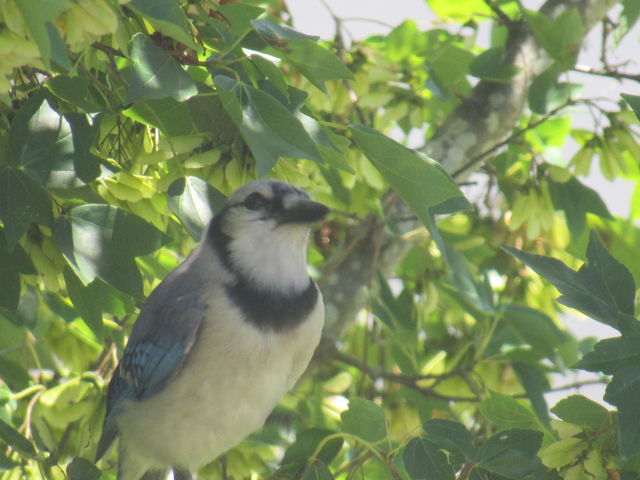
column 304, row 211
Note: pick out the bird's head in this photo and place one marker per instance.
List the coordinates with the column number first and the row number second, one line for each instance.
column 262, row 232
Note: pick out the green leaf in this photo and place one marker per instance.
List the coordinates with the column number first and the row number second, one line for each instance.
column 277, row 35
column 22, row 201
column 315, row 62
column 603, row 288
column 316, row 471
column 239, row 16
column 546, row 93
column 166, row 16
column 511, row 453
column 365, row 420
column 534, row 328
column 560, row 37
column 462, row 283
column 576, row 199
column 306, row 443
column 424, row 460
column 507, row 413
column 9, row 275
column 82, row 469
column 460, row 10
column 103, row 241
column 418, row 180
column 43, row 145
column 15, row 439
column 74, row 90
column 38, row 16
column 87, row 306
column 535, row 383
column 268, row 127
column 451, row 436
column 401, row 41
column 620, row 357
column 490, row 65
column 634, row 102
column 155, row 74
column 194, row 202
column 14, row 374
column 272, row 72
column 200, row 114
column 580, row 410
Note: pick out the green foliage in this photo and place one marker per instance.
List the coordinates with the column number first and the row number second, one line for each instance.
column 126, row 124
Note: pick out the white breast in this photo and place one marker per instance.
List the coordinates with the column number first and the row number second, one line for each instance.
column 233, row 378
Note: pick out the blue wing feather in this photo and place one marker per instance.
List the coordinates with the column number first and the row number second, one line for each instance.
column 160, row 341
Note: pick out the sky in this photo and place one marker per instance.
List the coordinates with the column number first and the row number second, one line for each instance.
column 362, row 18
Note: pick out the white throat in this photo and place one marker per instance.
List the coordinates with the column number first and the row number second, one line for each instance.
column 272, row 257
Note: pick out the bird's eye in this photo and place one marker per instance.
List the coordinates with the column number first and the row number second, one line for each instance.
column 255, row 201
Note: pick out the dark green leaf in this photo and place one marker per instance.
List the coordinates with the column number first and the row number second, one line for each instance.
column 476, row 295
column 194, row 202
column 603, row 288
column 166, row 16
column 580, row 410
column 268, row 127
column 9, row 276
column 85, row 163
column 451, row 436
column 306, row 443
column 507, row 413
column 535, row 383
column 577, row 200
column 38, row 17
column 84, row 303
column 546, row 93
column 103, row 241
column 16, row 440
column 22, row 201
column 13, row 374
column 424, row 460
column 316, row 471
column 511, row 453
column 272, row 72
column 74, row 90
column 534, row 327
column 155, row 74
column 198, row 115
column 490, row 65
column 82, row 469
column 634, row 102
column 418, row 180
column 43, row 146
column 620, row 357
column 365, row 420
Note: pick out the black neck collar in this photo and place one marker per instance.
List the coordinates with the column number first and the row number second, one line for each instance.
column 266, row 310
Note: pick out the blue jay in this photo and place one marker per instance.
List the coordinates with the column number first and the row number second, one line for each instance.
column 220, row 340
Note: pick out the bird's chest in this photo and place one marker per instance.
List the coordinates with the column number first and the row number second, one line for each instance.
column 234, row 376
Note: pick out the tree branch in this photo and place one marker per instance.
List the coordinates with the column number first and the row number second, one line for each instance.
column 483, row 120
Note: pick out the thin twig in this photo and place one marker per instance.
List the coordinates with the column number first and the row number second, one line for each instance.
column 607, row 72
column 510, row 138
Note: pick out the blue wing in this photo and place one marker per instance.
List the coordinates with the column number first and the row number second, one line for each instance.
column 160, row 342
